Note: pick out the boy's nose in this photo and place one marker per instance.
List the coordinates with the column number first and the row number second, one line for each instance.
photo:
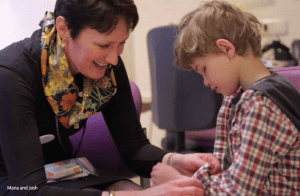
column 206, row 83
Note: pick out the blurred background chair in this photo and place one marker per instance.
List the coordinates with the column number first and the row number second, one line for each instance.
column 291, row 73
column 181, row 103
column 97, row 142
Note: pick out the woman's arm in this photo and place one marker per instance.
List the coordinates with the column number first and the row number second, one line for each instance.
column 123, row 122
column 184, row 186
column 19, row 138
column 188, row 164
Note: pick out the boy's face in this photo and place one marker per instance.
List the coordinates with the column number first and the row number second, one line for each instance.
column 218, row 72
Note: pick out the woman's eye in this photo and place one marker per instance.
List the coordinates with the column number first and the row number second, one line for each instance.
column 104, row 46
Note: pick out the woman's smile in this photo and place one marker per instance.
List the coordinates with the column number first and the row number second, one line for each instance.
column 99, row 64
column 83, row 51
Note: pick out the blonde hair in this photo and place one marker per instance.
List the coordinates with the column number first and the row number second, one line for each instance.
column 199, row 30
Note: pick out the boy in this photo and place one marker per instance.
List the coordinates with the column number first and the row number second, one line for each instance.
column 257, row 137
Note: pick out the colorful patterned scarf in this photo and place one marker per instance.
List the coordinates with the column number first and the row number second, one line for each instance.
column 69, row 105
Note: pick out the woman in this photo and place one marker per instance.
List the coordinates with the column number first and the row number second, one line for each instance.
column 52, row 82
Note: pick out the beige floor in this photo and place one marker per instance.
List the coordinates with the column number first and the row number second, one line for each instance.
column 154, row 134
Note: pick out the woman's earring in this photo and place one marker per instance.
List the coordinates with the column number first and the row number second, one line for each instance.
column 62, row 43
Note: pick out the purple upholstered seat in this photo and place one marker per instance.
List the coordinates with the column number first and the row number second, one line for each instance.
column 292, row 74
column 98, row 145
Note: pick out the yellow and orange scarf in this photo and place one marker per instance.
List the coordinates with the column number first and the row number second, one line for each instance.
column 69, row 105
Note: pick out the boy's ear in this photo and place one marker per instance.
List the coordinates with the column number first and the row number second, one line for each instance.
column 62, row 28
column 226, row 46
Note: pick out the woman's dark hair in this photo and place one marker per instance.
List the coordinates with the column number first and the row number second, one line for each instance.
column 101, row 15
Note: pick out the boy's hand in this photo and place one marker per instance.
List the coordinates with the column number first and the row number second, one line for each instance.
column 162, row 173
column 188, row 164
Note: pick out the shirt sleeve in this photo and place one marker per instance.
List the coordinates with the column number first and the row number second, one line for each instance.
column 266, row 135
column 20, row 144
column 123, row 122
column 222, row 127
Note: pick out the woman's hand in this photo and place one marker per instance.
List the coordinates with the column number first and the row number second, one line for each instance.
column 185, row 186
column 162, row 173
column 188, row 164
column 179, row 187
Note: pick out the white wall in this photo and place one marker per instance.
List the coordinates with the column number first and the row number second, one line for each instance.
column 154, row 13
column 20, row 18
column 288, row 10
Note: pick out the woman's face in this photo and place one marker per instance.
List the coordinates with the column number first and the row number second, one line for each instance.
column 91, row 52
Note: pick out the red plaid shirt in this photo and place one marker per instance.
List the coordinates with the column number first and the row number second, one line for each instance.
column 258, row 147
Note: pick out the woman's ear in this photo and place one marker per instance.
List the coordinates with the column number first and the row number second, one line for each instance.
column 62, row 28
column 226, row 46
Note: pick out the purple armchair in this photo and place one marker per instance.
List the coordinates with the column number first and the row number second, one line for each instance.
column 97, row 142
column 292, row 74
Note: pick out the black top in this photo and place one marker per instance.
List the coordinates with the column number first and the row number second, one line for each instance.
column 280, row 90
column 25, row 114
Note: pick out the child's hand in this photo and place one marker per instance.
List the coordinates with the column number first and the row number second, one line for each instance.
column 162, row 173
